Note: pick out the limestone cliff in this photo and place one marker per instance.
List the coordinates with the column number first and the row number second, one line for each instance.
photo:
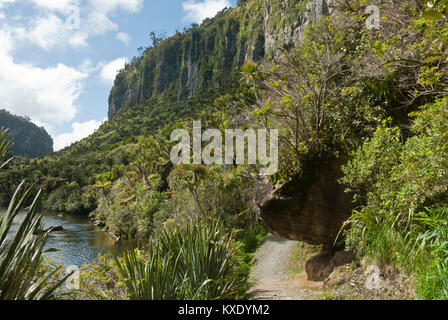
column 27, row 138
column 310, row 207
column 208, row 57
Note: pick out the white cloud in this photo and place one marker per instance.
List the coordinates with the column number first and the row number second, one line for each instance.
column 48, row 27
column 111, row 5
column 48, row 94
column 40, row 124
column 5, row 2
column 95, row 18
column 77, row 41
column 43, row 94
column 105, row 6
column 87, row 66
column 60, row 5
column 80, row 131
column 46, row 32
column 109, row 71
column 123, row 37
column 198, row 11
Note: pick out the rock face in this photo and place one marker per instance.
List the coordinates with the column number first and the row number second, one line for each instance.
column 27, row 138
column 209, row 57
column 311, row 207
column 320, row 267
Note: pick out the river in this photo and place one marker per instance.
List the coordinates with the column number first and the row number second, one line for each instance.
column 80, row 242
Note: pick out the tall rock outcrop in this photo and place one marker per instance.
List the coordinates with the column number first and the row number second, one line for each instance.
column 27, row 138
column 208, row 57
column 311, row 207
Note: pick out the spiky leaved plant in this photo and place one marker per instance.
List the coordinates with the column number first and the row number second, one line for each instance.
column 192, row 262
column 21, row 257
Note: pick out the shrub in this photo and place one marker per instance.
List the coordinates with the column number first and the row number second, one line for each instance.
column 405, row 189
column 192, row 262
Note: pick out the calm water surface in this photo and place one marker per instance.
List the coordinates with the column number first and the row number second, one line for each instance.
column 79, row 243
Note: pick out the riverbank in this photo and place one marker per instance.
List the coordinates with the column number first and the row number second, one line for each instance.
column 77, row 242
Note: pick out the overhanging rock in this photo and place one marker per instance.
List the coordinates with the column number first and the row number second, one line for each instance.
column 311, row 207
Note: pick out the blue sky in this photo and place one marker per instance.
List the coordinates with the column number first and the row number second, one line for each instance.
column 58, row 58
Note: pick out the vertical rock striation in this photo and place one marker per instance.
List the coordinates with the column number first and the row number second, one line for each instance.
column 208, row 57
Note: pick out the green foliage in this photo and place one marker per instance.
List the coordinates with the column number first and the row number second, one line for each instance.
column 344, row 91
column 400, row 175
column 203, row 58
column 249, row 240
column 217, row 192
column 374, row 160
column 132, row 216
column 316, row 97
column 27, row 138
column 433, row 23
column 400, row 180
column 100, row 280
column 21, row 258
column 192, row 262
column 4, row 145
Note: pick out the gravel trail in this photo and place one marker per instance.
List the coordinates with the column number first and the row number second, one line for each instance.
column 270, row 275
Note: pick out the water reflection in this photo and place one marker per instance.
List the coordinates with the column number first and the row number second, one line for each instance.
column 80, row 242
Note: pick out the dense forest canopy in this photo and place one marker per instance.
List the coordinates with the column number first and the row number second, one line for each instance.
column 28, row 139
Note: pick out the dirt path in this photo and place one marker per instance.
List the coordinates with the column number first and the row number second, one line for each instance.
column 270, row 275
